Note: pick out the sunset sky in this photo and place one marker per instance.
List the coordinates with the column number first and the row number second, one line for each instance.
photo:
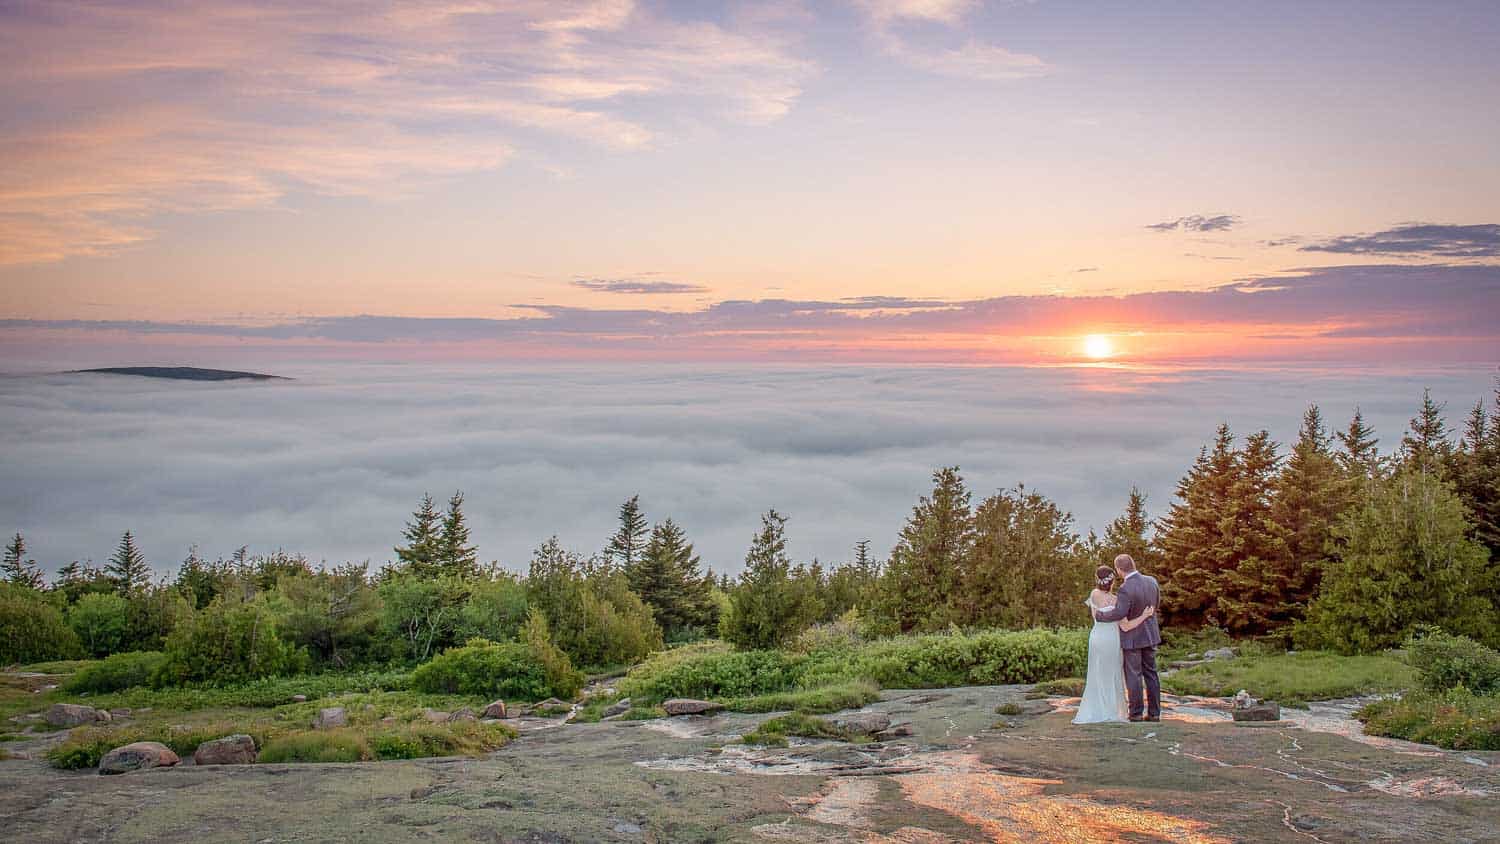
column 873, row 180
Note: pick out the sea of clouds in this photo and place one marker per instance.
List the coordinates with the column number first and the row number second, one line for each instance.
column 331, row 464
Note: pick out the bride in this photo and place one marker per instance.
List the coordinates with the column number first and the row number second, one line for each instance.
column 1104, row 689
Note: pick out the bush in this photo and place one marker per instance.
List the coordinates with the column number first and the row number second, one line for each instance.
column 32, row 630
column 1444, row 661
column 563, row 681
column 318, row 746
column 101, row 621
column 85, row 746
column 1457, row 719
column 485, row 669
column 1292, row 679
column 264, row 693
column 228, row 642
column 121, row 671
column 710, row 670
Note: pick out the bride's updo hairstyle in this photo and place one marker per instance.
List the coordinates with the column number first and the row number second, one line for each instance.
column 1105, row 577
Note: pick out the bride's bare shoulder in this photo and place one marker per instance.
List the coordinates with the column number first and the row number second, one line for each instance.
column 1102, row 598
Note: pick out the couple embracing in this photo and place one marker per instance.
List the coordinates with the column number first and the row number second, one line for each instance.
column 1122, row 648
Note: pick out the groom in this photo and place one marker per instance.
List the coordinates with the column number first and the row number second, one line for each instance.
column 1137, row 592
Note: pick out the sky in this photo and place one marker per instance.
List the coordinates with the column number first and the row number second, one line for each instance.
column 332, row 463
column 870, row 181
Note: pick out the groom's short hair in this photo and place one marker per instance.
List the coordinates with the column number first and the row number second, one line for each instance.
column 1125, row 563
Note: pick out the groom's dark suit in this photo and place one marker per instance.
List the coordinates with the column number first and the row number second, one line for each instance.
column 1138, row 592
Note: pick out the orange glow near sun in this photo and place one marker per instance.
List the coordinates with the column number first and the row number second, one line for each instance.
column 1098, row 346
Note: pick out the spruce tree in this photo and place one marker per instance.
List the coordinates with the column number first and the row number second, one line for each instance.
column 1425, row 446
column 1360, row 458
column 128, row 567
column 1191, row 539
column 1127, row 534
column 1026, row 567
column 628, row 543
column 17, row 568
column 926, row 566
column 455, row 556
column 666, row 577
column 1475, row 472
column 766, row 609
column 423, row 537
column 1253, row 585
column 1311, row 494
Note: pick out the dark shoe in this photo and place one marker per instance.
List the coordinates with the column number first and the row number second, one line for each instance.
column 1135, row 719
column 1153, row 717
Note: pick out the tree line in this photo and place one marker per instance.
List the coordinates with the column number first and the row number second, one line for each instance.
column 1330, row 543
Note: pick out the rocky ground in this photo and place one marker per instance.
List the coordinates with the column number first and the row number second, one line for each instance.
column 965, row 774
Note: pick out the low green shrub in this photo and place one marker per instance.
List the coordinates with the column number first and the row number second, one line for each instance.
column 483, row 668
column 257, row 694
column 1444, row 661
column 85, row 746
column 1064, row 687
column 816, row 701
column 421, row 741
column 1292, row 679
column 120, row 671
column 101, row 620
column 774, row 731
column 1456, row 719
column 342, row 745
column 1178, row 643
column 228, row 642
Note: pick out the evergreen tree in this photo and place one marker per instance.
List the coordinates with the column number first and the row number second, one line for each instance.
column 1404, row 559
column 1425, row 446
column 1311, row 494
column 627, row 545
column 17, row 568
column 1475, row 471
column 766, row 610
column 1127, row 535
column 666, row 576
column 1252, row 588
column 866, row 564
column 1360, row 459
column 1191, row 538
column 128, row 567
column 455, row 556
column 423, row 540
column 926, row 566
column 1026, row 567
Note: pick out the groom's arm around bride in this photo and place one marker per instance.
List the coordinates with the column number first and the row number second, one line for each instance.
column 1137, row 592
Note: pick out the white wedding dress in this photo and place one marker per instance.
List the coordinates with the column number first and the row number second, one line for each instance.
column 1104, row 689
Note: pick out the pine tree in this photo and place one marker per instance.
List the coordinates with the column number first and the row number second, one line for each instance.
column 17, row 568
column 667, row 578
column 766, row 609
column 1311, row 494
column 455, row 556
column 1475, row 471
column 1251, row 592
column 1425, row 445
column 629, row 542
column 128, row 567
column 1191, row 538
column 1127, row 534
column 926, row 566
column 420, row 553
column 1026, row 567
column 1360, row 458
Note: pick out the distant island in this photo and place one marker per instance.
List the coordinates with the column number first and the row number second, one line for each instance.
column 184, row 373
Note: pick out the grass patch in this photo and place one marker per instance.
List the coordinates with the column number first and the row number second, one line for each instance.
column 61, row 666
column 773, row 732
column 1009, row 709
column 265, row 693
column 1064, row 687
column 343, row 745
column 1457, row 719
column 85, row 746
column 5, row 737
column 114, row 673
column 1293, row 679
column 816, row 701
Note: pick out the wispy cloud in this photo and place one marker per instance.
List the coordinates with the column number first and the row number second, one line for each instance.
column 1453, row 304
column 637, row 286
column 891, row 20
column 1426, row 239
column 1198, row 223
column 118, row 112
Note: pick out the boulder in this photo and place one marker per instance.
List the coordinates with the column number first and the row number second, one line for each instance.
column 299, row 698
column 230, row 750
column 330, row 717
column 496, row 709
column 119, row 713
column 73, row 714
column 1265, row 710
column 690, row 706
column 435, row 716
column 137, row 757
column 464, row 714
column 1219, row 653
column 619, row 707
column 863, row 723
column 896, row 731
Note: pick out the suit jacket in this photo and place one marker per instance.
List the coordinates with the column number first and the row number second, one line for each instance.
column 1138, row 592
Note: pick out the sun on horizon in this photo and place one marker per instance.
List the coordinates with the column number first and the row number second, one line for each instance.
column 1098, row 346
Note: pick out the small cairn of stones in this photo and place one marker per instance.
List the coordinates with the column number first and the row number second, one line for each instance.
column 1247, row 708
